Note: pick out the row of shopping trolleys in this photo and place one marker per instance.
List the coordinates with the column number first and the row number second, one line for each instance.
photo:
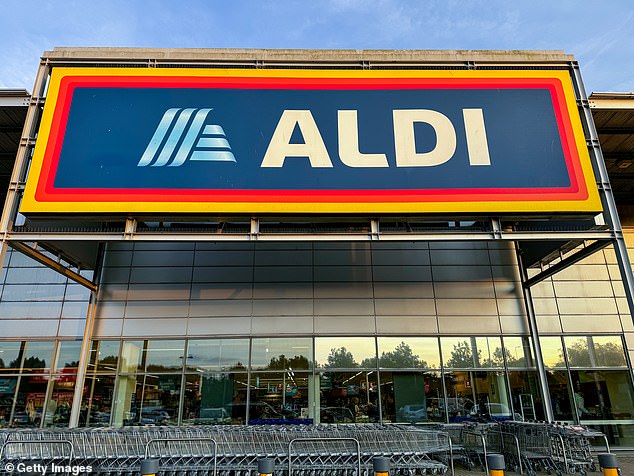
column 298, row 450
column 528, row 447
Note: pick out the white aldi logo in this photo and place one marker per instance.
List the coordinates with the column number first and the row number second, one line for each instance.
column 205, row 142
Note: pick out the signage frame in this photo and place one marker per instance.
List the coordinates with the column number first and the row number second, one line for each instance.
column 41, row 197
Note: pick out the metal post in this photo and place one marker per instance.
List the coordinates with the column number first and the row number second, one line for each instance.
column 149, row 467
column 609, row 465
column 381, row 466
column 496, row 464
column 82, row 368
column 532, row 325
column 266, row 466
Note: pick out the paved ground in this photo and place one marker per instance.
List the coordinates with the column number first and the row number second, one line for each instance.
column 626, row 463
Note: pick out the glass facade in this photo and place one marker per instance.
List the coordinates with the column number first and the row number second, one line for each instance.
column 191, row 334
column 357, row 380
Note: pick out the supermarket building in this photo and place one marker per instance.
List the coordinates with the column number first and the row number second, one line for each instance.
column 239, row 236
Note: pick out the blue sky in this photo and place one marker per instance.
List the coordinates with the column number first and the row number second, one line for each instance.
column 599, row 33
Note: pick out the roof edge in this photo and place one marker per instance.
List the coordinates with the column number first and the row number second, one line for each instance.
column 311, row 55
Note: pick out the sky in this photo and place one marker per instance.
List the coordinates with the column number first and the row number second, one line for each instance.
column 599, row 33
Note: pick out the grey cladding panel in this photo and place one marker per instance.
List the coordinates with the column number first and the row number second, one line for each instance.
column 402, row 273
column 283, row 274
column 459, row 257
column 223, row 274
column 224, row 258
column 283, row 258
column 157, row 258
column 161, row 275
column 400, row 257
column 352, row 257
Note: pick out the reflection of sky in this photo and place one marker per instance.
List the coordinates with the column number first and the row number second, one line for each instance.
column 552, row 353
column 218, row 353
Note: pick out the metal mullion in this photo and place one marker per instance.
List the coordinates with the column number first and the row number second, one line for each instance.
column 534, row 333
column 51, row 381
column 86, row 343
column 181, row 399
column 442, row 378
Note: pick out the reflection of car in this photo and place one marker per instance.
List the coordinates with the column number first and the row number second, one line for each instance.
column 336, row 415
column 213, row 416
column 413, row 413
column 154, row 416
column 496, row 411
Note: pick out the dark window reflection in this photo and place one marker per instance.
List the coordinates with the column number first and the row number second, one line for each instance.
column 8, row 386
column 280, row 396
column 96, row 406
column 349, row 397
column 603, row 394
column 412, row 397
column 526, row 395
column 560, row 395
column 477, row 396
column 215, row 399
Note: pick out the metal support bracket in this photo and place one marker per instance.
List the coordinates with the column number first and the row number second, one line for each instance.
column 254, row 230
column 566, row 262
column 130, row 228
column 41, row 258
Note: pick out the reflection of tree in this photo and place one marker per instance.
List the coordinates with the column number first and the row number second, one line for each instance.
column 609, row 354
column 29, row 363
column 284, row 363
column 462, row 356
column 401, row 357
column 341, row 358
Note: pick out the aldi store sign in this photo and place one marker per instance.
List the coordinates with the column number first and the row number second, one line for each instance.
column 309, row 141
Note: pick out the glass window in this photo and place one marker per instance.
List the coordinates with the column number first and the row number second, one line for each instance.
column 164, row 355
column 126, row 404
column 215, row 398
column 104, row 355
column 348, row 397
column 560, row 395
column 409, row 352
column 596, row 351
column 60, row 401
column 68, row 354
column 38, row 356
column 519, row 352
column 552, row 352
column 10, row 356
column 280, row 354
column 280, row 396
column 603, row 394
column 472, row 352
column 97, row 402
column 608, row 351
column 477, row 395
column 526, row 395
column 412, row 397
column 161, row 397
column 345, row 352
column 29, row 401
column 33, row 292
column 8, row 386
column 132, row 354
column 218, row 354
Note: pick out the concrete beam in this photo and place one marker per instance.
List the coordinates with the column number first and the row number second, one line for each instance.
column 307, row 56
